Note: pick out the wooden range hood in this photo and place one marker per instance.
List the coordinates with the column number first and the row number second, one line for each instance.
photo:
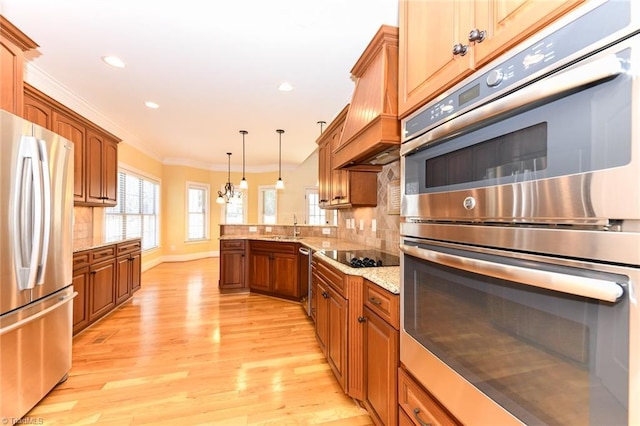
column 371, row 134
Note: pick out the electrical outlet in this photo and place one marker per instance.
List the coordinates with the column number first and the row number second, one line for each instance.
column 326, row 231
column 373, row 225
column 267, row 229
column 348, row 225
column 362, row 224
column 353, row 223
column 326, row 244
column 253, row 229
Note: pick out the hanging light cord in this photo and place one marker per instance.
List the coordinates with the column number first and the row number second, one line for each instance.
column 280, row 132
column 244, row 132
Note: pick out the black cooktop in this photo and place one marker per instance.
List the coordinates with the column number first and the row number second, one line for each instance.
column 363, row 258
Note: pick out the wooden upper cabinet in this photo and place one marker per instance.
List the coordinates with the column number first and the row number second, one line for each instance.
column 102, row 169
column 13, row 44
column 430, row 30
column 508, row 22
column 427, row 65
column 76, row 133
column 37, row 111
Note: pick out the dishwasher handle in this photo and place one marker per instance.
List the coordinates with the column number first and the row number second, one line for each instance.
column 304, row 251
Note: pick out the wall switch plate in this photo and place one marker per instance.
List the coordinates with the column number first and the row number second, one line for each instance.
column 373, row 225
column 326, row 244
column 353, row 223
column 253, row 229
column 362, row 224
column 326, row 231
column 267, row 229
column 348, row 224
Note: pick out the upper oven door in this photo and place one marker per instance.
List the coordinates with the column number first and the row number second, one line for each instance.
column 559, row 150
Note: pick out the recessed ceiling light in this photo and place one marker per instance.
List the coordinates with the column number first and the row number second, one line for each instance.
column 152, row 105
column 114, row 61
column 285, row 87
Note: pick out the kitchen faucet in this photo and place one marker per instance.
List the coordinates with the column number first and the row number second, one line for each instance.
column 296, row 232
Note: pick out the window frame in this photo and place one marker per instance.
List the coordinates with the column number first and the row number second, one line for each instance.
column 157, row 182
column 308, row 191
column 223, row 206
column 261, row 190
column 189, row 185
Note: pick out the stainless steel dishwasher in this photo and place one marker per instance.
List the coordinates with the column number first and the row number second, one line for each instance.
column 305, row 278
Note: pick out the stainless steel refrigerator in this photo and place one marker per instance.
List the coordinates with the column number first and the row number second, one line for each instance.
column 36, row 292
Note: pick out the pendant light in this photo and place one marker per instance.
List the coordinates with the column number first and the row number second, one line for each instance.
column 243, row 183
column 228, row 187
column 280, row 182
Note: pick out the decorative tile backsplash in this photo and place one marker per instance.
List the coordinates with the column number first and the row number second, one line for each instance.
column 261, row 229
column 82, row 222
column 387, row 234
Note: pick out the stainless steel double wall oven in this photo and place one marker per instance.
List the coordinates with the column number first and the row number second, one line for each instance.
column 521, row 241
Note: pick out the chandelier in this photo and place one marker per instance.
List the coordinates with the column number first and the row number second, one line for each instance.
column 229, row 193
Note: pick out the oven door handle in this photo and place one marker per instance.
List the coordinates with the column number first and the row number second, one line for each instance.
column 532, row 95
column 607, row 291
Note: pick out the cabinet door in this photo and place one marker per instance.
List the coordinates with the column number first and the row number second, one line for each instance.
column 381, row 343
column 11, row 76
column 322, row 314
column 80, row 305
column 76, row 133
column 337, row 340
column 284, row 279
column 339, row 187
column 232, row 269
column 123, row 279
column 508, row 22
column 37, row 111
column 102, row 279
column 94, row 147
column 110, row 172
column 324, row 174
column 427, row 65
column 136, row 271
column 260, row 271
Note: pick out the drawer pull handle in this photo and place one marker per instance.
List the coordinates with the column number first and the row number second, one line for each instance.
column 375, row 301
column 416, row 414
column 362, row 319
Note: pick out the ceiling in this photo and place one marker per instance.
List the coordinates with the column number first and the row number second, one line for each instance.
column 214, row 68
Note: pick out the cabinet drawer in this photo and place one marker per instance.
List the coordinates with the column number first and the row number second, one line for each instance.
column 419, row 406
column 331, row 276
column 102, row 253
column 271, row 246
column 232, row 244
column 81, row 260
column 129, row 247
column 383, row 303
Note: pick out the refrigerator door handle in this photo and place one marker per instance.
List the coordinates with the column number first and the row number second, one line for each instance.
column 21, row 323
column 27, row 213
column 46, row 211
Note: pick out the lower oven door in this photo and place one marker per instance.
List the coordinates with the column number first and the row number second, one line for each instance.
column 505, row 338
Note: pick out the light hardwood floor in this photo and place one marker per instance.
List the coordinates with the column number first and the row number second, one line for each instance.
column 182, row 353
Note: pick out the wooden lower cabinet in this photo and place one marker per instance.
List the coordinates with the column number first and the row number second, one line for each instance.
column 382, row 356
column 104, row 278
column 232, row 264
column 273, row 268
column 419, row 405
column 337, row 335
column 80, row 302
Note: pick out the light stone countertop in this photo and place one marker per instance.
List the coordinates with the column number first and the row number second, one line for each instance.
column 386, row 277
column 81, row 244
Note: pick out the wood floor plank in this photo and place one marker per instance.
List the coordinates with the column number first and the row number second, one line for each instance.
column 180, row 352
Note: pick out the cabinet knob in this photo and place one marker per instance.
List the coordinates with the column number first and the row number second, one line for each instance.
column 325, row 294
column 477, row 35
column 460, row 49
column 93, row 272
column 362, row 319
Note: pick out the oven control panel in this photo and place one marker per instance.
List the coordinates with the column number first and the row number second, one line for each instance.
column 535, row 59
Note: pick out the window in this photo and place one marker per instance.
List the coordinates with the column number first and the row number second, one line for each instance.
column 197, row 211
column 235, row 211
column 315, row 215
column 268, row 204
column 137, row 211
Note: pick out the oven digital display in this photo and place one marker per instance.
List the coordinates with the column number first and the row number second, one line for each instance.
column 469, row 95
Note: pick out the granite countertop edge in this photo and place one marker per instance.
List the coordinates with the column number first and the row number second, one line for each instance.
column 83, row 244
column 386, row 277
